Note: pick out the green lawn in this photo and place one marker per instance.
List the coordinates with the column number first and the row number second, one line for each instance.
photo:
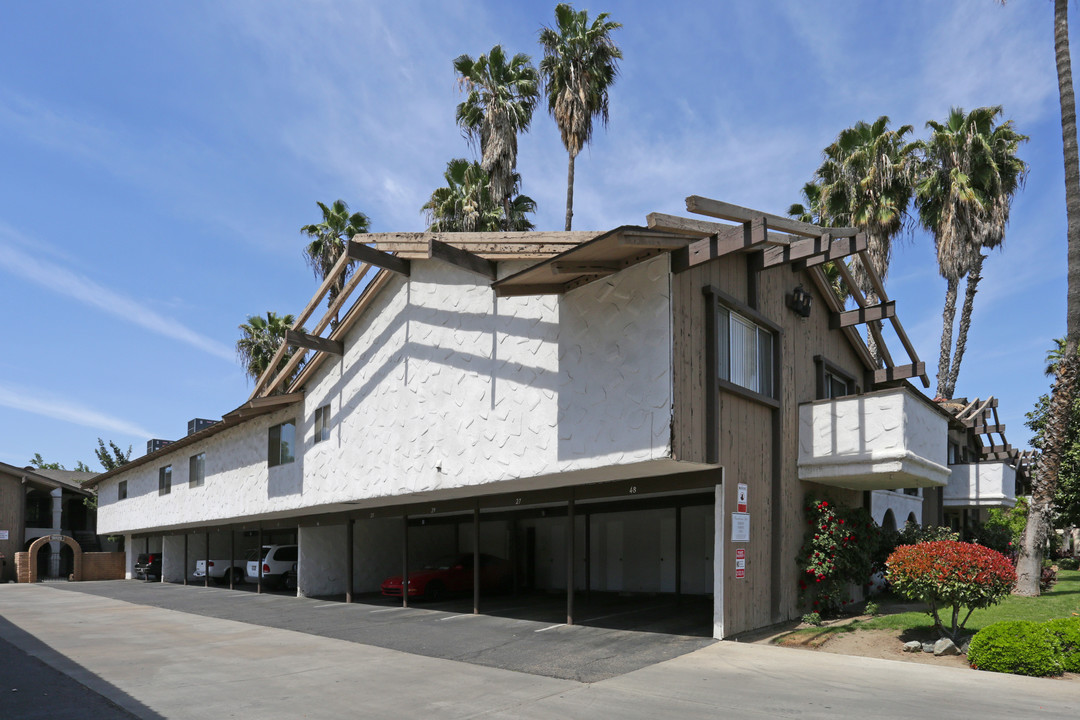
column 1063, row 600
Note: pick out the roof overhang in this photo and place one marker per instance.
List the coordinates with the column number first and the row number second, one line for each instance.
column 607, row 254
column 29, row 477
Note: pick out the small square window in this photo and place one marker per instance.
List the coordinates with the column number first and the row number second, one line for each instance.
column 164, row 480
column 197, row 470
column 121, row 490
column 322, row 423
column 281, row 441
column 745, row 352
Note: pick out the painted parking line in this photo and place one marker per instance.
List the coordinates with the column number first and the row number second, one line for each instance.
column 314, row 607
column 551, row 627
column 458, row 616
column 389, row 609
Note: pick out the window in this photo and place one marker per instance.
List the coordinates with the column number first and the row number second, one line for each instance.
column 197, row 470
column 322, row 423
column 282, row 440
column 164, row 480
column 121, row 490
column 746, row 352
column 832, row 380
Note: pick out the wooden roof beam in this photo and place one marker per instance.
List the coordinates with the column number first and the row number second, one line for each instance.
column 378, row 258
column 988, row 429
column 461, row 258
column 585, row 268
column 314, row 342
column 899, row 372
column 735, row 213
column 863, row 315
column 838, row 249
column 817, row 276
column 531, row 289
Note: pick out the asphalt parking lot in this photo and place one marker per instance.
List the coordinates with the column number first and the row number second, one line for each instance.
column 615, row 634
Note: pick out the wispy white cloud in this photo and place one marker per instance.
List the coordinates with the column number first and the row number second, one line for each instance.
column 57, row 278
column 41, row 403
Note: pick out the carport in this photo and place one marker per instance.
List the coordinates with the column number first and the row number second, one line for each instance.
column 181, row 549
column 640, row 538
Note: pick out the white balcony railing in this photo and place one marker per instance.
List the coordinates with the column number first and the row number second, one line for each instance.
column 881, row 440
column 987, row 484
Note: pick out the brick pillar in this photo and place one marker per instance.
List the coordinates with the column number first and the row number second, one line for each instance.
column 22, row 567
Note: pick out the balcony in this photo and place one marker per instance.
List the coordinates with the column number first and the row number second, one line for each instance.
column 987, row 484
column 888, row 439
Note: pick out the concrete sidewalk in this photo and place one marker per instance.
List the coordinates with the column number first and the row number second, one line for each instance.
column 160, row 663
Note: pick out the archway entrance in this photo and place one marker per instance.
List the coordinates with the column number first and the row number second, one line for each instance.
column 36, row 546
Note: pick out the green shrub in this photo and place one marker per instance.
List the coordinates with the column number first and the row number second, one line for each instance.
column 1069, row 563
column 949, row 574
column 812, row 619
column 872, row 608
column 1016, row 646
column 1067, row 631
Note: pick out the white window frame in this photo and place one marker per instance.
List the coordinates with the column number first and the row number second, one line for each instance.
column 276, row 442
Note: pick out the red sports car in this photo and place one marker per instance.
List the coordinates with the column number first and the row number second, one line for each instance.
column 453, row 574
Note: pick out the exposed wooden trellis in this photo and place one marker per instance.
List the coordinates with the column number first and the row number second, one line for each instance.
column 568, row 260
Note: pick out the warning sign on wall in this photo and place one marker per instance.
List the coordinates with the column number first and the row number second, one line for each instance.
column 741, row 498
column 740, row 563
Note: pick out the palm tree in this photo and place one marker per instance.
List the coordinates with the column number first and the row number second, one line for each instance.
column 261, row 337
column 969, row 176
column 811, row 213
column 1046, row 479
column 329, row 240
column 499, row 103
column 464, row 204
column 866, row 179
column 579, row 66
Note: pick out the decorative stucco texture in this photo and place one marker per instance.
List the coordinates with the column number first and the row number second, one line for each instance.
column 443, row 386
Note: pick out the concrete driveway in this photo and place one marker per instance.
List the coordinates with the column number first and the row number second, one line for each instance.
column 156, row 663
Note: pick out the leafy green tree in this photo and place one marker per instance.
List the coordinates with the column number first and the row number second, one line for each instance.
column 500, row 97
column 111, row 457
column 867, row 179
column 1065, row 501
column 464, row 204
column 38, row 463
column 259, row 341
column 329, row 239
column 579, row 67
column 969, row 176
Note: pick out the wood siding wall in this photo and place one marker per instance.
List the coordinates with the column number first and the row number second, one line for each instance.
column 12, row 511
column 768, row 593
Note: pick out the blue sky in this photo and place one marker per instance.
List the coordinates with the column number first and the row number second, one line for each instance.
column 159, row 160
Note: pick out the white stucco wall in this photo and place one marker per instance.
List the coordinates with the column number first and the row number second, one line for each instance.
column 902, row 505
column 880, row 440
column 988, row 484
column 444, row 386
column 322, row 565
column 238, row 482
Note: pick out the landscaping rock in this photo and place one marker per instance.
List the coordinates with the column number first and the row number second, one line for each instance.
column 945, row 646
column 928, row 647
column 913, row 646
column 964, row 644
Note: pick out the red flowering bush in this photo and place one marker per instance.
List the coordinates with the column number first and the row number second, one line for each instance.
column 950, row 574
column 837, row 553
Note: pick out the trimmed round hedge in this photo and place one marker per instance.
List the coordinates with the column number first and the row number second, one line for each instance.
column 1019, row 647
column 1067, row 631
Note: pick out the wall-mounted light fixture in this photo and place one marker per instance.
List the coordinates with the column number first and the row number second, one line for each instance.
column 800, row 300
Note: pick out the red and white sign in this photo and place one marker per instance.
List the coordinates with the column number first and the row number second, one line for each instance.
column 741, row 498
column 740, row 563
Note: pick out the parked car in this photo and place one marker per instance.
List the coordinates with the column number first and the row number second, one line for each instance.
column 220, row 570
column 148, row 567
column 277, row 560
column 453, row 574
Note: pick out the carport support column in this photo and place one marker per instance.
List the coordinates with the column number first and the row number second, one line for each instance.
column 350, row 525
column 404, row 561
column 232, row 557
column 588, row 558
column 206, row 563
column 678, row 551
column 476, row 558
column 570, row 536
column 258, row 556
column 185, row 557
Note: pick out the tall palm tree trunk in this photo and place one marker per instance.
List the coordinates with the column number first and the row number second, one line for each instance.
column 570, row 193
column 948, row 316
column 1029, row 565
column 973, row 278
